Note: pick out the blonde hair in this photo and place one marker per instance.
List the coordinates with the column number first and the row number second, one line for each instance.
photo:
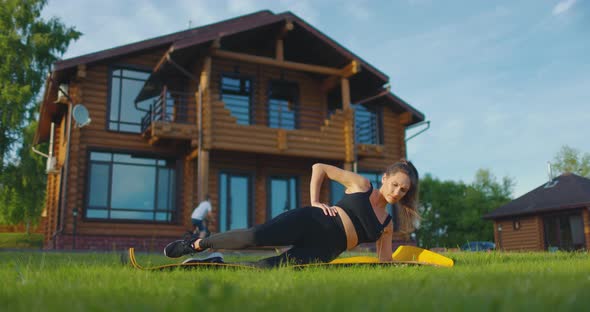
column 408, row 205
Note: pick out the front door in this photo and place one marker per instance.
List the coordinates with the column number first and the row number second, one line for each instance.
column 234, row 201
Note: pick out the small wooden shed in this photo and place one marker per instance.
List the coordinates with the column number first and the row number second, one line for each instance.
column 554, row 216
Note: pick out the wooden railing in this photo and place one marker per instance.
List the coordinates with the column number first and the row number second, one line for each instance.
column 171, row 107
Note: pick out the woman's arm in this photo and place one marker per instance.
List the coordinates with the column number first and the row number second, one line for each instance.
column 384, row 250
column 352, row 181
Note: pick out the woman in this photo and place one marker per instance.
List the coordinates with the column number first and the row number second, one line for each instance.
column 320, row 233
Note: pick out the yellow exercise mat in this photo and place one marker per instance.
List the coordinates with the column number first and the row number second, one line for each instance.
column 411, row 253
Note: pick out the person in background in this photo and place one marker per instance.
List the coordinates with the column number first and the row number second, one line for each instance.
column 200, row 216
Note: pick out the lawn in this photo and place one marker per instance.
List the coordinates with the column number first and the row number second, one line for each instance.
column 49, row 281
column 21, row 240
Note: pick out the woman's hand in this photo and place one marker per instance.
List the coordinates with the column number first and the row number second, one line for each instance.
column 328, row 210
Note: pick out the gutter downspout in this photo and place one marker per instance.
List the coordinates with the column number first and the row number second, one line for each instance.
column 64, row 175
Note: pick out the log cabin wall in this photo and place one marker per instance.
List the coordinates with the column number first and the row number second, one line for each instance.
column 528, row 237
column 261, row 168
column 317, row 135
column 92, row 89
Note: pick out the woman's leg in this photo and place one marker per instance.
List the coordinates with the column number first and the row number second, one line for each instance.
column 285, row 229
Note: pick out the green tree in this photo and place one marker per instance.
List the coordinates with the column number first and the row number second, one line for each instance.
column 569, row 159
column 23, row 189
column 452, row 211
column 28, row 46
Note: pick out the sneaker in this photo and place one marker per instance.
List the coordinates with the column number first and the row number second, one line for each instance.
column 215, row 257
column 180, row 248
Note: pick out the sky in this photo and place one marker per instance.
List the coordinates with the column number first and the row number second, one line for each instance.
column 505, row 84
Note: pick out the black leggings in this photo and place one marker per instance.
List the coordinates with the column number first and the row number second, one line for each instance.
column 314, row 236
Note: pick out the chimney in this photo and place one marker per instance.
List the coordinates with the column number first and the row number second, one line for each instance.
column 549, row 171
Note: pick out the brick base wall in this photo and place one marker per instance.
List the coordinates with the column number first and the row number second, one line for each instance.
column 109, row 243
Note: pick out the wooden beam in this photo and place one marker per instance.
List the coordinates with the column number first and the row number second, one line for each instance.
column 279, row 50
column 273, row 62
column 351, row 69
column 345, row 94
column 194, row 154
column 203, row 185
column 405, row 118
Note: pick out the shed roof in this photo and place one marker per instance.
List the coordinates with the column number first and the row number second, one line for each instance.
column 564, row 192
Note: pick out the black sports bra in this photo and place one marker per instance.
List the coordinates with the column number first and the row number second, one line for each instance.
column 359, row 209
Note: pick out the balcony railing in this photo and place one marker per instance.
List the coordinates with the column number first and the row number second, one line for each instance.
column 172, row 107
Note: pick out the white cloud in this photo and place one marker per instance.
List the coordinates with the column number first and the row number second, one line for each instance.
column 563, row 6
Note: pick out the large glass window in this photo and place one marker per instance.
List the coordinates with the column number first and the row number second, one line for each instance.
column 282, row 195
column 236, row 93
column 367, row 125
column 282, row 105
column 124, row 186
column 125, row 86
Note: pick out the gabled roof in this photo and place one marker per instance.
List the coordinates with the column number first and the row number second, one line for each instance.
column 566, row 191
column 208, row 33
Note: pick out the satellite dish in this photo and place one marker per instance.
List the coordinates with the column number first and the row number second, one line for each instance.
column 81, row 116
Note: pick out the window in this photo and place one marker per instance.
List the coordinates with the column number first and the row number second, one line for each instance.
column 236, row 93
column 282, row 195
column 124, row 186
column 367, row 125
column 125, row 86
column 282, row 105
column 235, row 206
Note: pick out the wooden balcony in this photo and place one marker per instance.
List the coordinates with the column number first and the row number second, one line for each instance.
column 171, row 117
column 311, row 133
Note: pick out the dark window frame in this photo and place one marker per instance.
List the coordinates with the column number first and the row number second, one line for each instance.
column 269, row 193
column 176, row 212
column 251, row 106
column 111, row 69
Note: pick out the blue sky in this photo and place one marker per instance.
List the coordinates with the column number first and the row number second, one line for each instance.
column 505, row 84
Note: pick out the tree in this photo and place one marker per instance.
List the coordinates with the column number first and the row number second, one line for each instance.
column 28, row 45
column 23, row 189
column 569, row 159
column 452, row 211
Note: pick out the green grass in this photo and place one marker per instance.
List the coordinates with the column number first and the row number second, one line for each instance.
column 21, row 240
column 47, row 281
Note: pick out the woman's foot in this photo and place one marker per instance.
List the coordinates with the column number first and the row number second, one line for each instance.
column 212, row 258
column 182, row 247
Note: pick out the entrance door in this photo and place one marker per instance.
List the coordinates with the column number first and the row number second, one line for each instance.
column 282, row 195
column 234, row 201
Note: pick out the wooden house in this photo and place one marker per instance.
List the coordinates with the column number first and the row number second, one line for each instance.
column 554, row 216
column 239, row 109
